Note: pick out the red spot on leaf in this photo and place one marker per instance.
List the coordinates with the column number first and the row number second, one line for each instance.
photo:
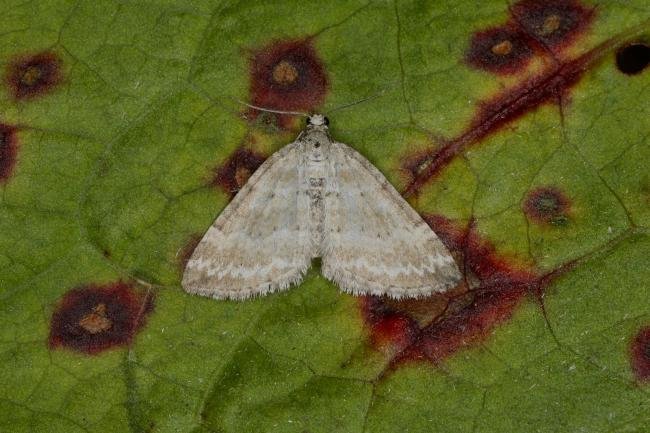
column 234, row 173
column 640, row 355
column 287, row 76
column 503, row 50
column 452, row 235
column 393, row 332
column 553, row 23
column 34, row 75
column 8, row 151
column 493, row 271
column 473, row 322
column 95, row 318
column 416, row 164
column 437, row 327
column 547, row 205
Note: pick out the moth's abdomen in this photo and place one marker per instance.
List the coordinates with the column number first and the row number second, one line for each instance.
column 316, row 214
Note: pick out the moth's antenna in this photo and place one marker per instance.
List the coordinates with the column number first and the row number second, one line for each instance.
column 270, row 110
column 255, row 107
column 293, row 113
column 369, row 98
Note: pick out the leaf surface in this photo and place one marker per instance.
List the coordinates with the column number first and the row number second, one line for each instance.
column 116, row 176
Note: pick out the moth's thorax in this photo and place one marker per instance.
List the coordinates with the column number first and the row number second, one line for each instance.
column 316, row 143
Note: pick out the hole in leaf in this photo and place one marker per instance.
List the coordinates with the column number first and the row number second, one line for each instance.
column 633, row 59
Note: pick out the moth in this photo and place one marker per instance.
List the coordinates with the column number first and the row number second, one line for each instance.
column 315, row 198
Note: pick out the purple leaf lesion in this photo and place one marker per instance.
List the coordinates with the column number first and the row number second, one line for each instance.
column 33, row 75
column 501, row 50
column 233, row 174
column 552, row 23
column 8, row 151
column 640, row 355
column 547, row 205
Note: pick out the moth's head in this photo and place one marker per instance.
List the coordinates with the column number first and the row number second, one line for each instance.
column 317, row 121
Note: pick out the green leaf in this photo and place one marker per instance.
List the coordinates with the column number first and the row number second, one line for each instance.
column 114, row 179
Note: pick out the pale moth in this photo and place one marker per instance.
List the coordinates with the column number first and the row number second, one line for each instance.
column 319, row 198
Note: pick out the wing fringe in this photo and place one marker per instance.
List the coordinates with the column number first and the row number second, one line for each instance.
column 351, row 283
column 268, row 287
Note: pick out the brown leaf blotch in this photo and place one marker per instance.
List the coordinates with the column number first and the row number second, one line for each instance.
column 284, row 73
column 547, row 205
column 502, row 50
column 96, row 321
column 640, row 354
column 8, row 151
column 94, row 318
column 234, row 173
column 553, row 23
column 287, row 75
